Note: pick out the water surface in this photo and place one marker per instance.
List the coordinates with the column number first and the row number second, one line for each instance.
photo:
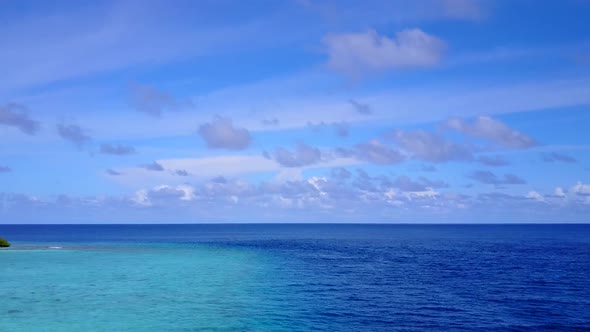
column 295, row 277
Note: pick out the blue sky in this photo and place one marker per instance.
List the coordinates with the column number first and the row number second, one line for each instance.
column 294, row 111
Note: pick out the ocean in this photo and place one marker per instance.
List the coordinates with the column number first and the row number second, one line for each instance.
column 295, row 277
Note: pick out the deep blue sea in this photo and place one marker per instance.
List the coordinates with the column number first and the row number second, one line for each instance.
column 295, row 277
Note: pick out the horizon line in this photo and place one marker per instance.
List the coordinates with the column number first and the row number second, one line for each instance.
column 295, row 223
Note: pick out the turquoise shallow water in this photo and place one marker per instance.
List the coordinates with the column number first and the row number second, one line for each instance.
column 295, row 278
column 121, row 288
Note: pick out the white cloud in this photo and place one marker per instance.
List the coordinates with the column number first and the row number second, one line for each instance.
column 222, row 134
column 355, row 53
column 291, row 200
column 303, row 155
column 428, row 193
column 165, row 195
column 141, row 198
column 188, row 192
column 318, row 183
column 581, row 189
column 535, row 196
column 559, row 192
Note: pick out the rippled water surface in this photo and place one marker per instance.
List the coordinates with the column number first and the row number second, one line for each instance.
column 295, row 277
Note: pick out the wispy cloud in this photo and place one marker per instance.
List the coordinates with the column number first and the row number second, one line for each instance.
column 74, row 134
column 361, row 107
column 374, row 152
column 487, row 177
column 494, row 130
column 556, row 156
column 152, row 101
column 494, row 161
column 227, row 166
column 153, row 166
column 378, row 12
column 112, row 172
column 413, row 104
column 16, row 115
column 429, row 146
column 303, row 155
column 180, row 172
column 340, row 128
column 465, row 9
column 428, row 168
column 83, row 40
column 117, row 149
column 270, row 122
column 358, row 53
